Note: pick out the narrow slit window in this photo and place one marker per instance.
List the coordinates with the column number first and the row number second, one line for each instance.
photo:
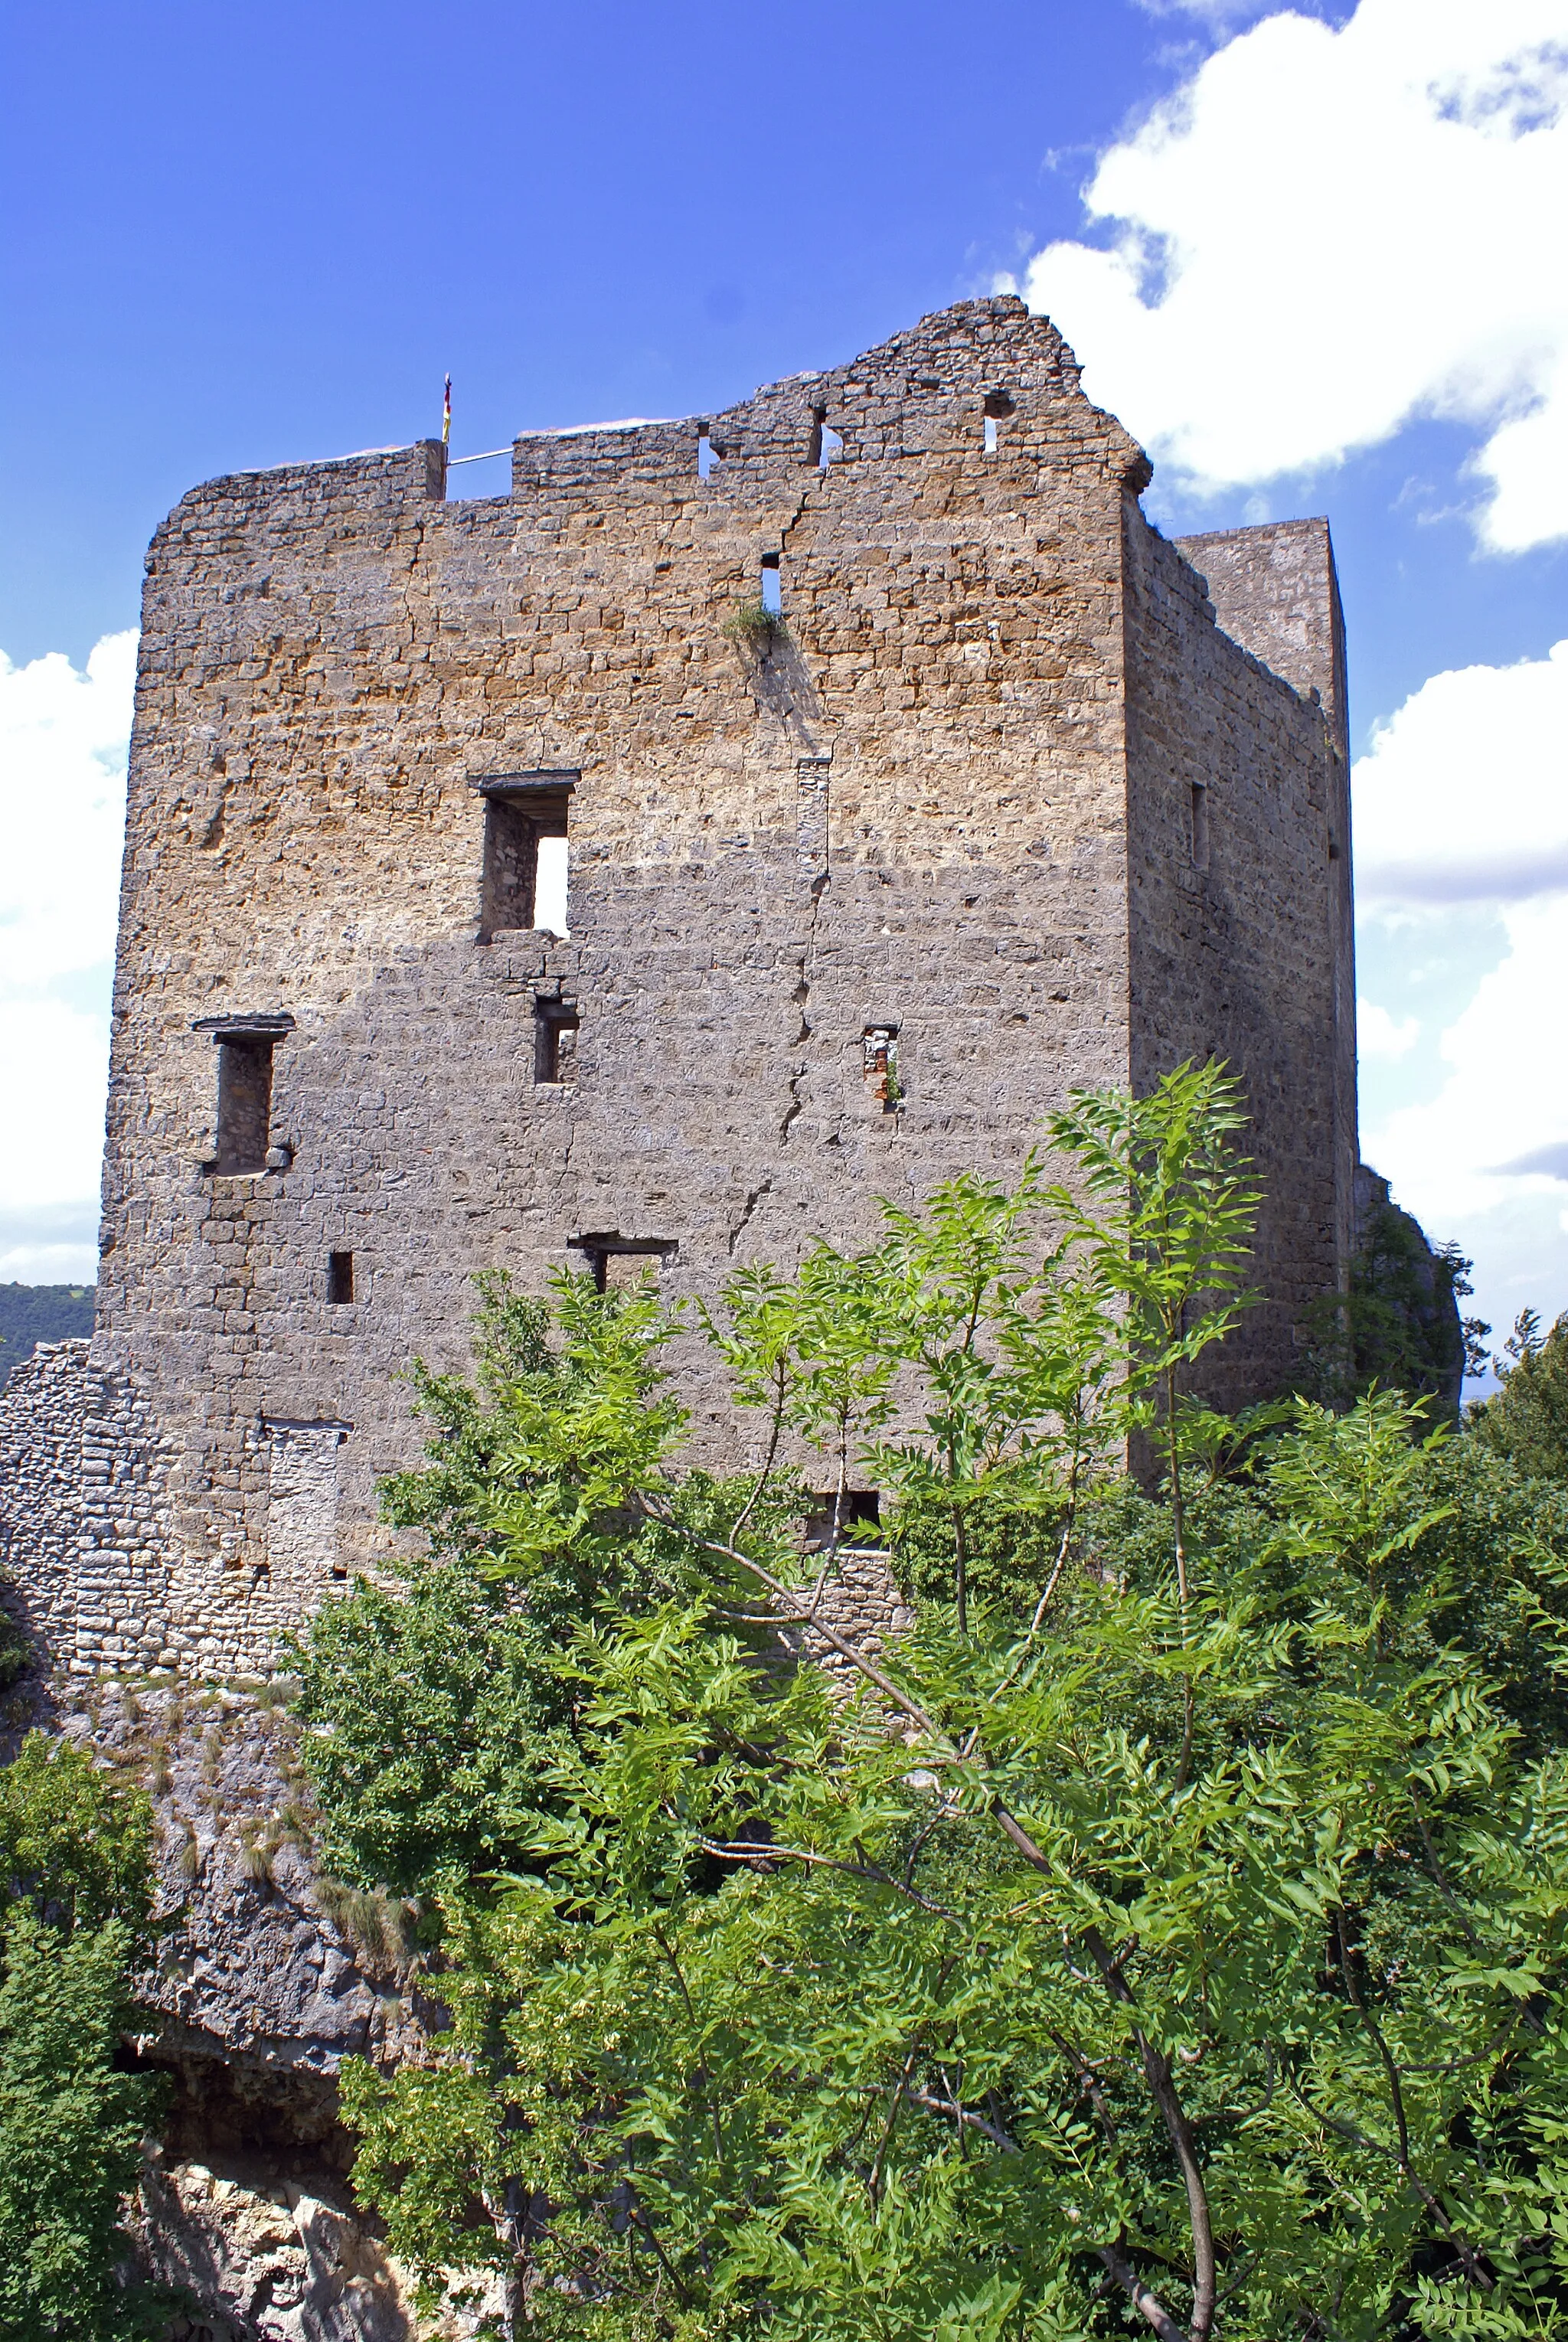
column 990, row 435
column 340, row 1279
column 244, row 1102
column 1200, row 824
column 707, row 454
column 773, row 587
column 554, row 1042
column 880, row 1044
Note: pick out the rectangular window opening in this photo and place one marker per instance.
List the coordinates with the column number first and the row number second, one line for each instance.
column 550, row 875
column 340, row 1279
column 772, row 586
column 825, row 442
column 1200, row 824
column 524, row 884
column 555, row 1026
column 244, row 1102
column 707, row 454
column 880, row 1044
column 998, row 405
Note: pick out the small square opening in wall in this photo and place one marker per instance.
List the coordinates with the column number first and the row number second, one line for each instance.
column 859, row 1512
column 340, row 1279
column 620, row 1263
column 555, row 1024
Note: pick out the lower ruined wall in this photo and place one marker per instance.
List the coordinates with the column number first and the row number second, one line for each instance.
column 98, row 1571
column 84, row 1515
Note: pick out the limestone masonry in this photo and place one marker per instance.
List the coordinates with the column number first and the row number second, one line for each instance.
column 1010, row 795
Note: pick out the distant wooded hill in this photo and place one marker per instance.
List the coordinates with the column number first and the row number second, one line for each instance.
column 31, row 1314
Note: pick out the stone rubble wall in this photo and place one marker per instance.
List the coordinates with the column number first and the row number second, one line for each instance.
column 84, row 1515
column 91, row 1564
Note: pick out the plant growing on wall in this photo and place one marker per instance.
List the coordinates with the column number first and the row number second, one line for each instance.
column 1168, row 1930
column 757, row 630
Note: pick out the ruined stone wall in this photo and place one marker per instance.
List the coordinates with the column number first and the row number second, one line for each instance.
column 937, row 808
column 907, row 811
column 1241, row 943
column 84, row 1527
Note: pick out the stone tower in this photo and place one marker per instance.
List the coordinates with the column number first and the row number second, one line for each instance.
column 1010, row 795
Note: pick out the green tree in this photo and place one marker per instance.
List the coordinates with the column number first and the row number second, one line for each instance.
column 1399, row 1323
column 75, row 1866
column 1527, row 1419
column 1169, row 1928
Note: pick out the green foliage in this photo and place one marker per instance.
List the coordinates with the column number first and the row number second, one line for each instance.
column 75, row 1847
column 440, row 1695
column 1172, row 1925
column 437, row 1708
column 71, row 2134
column 1527, row 1419
column 1399, row 1326
column 31, row 1314
column 756, row 629
column 15, row 1654
column 75, row 1867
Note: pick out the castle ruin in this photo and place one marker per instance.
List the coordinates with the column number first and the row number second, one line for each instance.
column 744, row 818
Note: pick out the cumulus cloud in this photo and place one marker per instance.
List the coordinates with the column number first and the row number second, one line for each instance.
column 1485, row 1160
column 1463, row 794
column 1330, row 231
column 63, row 734
column 1463, row 800
column 1379, row 1035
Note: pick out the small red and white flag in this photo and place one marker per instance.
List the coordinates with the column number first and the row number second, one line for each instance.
column 447, row 416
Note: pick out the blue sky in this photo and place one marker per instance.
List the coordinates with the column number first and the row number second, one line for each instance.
column 1307, row 255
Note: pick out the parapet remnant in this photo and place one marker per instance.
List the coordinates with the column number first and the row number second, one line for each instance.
column 746, row 816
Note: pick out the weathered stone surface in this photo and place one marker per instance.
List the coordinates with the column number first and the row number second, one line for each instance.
column 1009, row 800
column 270, row 2259
column 997, row 789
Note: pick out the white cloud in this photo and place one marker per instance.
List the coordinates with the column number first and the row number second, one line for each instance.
column 1328, row 232
column 1463, row 800
column 54, row 1071
column 63, row 741
column 1378, row 1035
column 1486, row 1160
column 1463, row 795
